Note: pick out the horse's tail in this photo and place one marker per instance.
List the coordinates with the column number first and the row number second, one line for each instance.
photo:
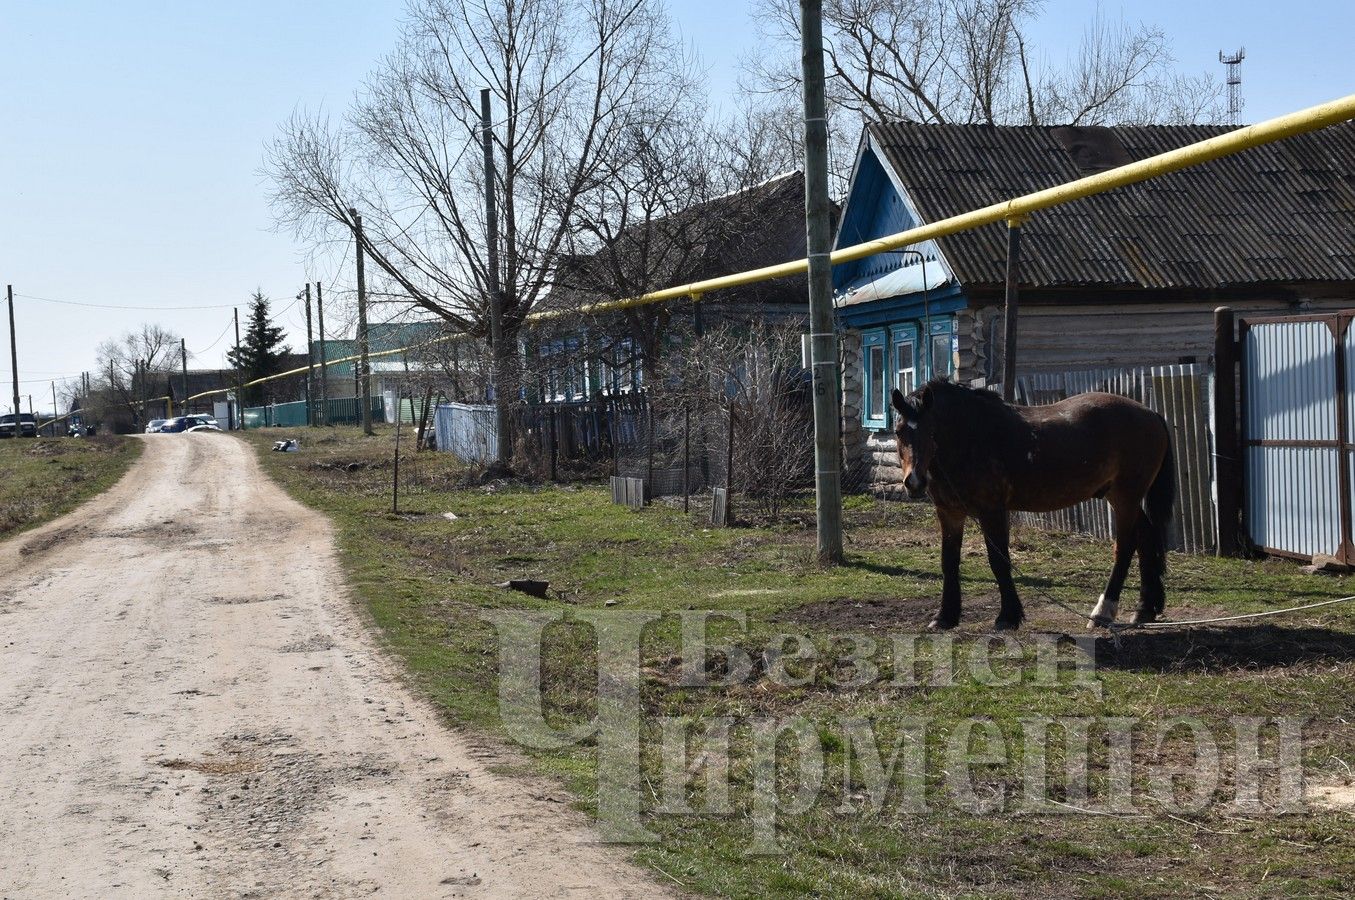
column 1157, row 506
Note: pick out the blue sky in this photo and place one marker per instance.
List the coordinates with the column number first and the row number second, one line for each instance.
column 133, row 133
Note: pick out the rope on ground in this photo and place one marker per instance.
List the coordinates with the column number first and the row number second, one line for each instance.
column 1216, row 619
column 1116, row 627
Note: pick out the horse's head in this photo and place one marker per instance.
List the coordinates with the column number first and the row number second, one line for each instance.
column 915, row 429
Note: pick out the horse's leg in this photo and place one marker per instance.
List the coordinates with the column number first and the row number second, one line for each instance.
column 1152, row 566
column 952, row 536
column 1156, row 521
column 1127, row 516
column 996, row 535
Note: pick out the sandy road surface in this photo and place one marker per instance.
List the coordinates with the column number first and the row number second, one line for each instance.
column 189, row 706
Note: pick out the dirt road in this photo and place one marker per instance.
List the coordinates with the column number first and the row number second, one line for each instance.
column 190, row 706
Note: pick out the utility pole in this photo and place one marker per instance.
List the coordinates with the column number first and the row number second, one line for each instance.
column 504, row 444
column 823, row 342
column 137, row 410
column 310, row 363
column 56, row 410
column 239, row 381
column 364, row 370
column 183, row 355
column 1012, row 310
column 13, row 356
column 324, row 358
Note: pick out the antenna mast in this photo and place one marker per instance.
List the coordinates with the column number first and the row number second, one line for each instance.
column 1234, row 65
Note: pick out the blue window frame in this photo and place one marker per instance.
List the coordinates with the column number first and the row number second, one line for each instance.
column 875, row 378
column 905, row 366
column 896, row 356
column 941, row 348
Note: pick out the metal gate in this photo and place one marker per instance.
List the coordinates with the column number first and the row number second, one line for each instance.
column 1296, row 438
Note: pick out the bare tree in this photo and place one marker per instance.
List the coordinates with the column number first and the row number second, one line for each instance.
column 570, row 80
column 686, row 196
column 970, row 61
column 132, row 368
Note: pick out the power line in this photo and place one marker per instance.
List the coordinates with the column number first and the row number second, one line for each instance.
column 115, row 306
column 215, row 342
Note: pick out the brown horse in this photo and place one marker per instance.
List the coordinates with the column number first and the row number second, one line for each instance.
column 979, row 456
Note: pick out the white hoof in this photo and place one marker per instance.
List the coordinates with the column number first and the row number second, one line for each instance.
column 1103, row 614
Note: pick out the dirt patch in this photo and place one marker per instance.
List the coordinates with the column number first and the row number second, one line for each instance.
column 160, row 531
column 890, row 613
column 228, row 764
column 1338, row 796
column 237, row 601
column 49, row 448
column 312, row 644
column 47, row 541
column 1232, row 648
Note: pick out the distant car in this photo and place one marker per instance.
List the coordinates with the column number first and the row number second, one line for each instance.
column 154, row 425
column 205, row 426
column 28, row 426
column 187, row 423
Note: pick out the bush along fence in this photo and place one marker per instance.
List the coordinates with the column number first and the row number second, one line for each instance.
column 552, row 441
column 676, row 450
column 340, row 411
column 1183, row 394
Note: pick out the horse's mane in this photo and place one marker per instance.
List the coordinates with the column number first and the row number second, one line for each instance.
column 944, row 387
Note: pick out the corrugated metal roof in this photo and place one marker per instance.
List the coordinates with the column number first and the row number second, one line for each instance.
column 1284, row 212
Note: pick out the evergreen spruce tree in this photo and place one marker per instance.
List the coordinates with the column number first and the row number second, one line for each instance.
column 261, row 350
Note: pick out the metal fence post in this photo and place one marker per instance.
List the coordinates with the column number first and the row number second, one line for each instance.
column 1227, row 449
column 554, row 445
column 729, row 467
column 686, row 459
column 649, row 471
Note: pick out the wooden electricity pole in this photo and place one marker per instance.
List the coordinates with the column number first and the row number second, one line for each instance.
column 183, row 356
column 823, row 342
column 364, row 365
column 324, row 358
column 239, row 382
column 310, row 363
column 13, row 356
column 56, row 410
column 1012, row 310
column 504, row 444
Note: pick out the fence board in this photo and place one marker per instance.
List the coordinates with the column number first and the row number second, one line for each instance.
column 1182, row 395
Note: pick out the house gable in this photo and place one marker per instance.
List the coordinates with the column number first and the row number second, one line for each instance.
column 878, row 205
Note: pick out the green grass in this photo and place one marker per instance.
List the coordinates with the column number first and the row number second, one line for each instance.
column 43, row 478
column 426, row 579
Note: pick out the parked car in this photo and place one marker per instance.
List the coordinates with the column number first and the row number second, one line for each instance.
column 154, row 425
column 187, row 423
column 204, row 426
column 28, row 426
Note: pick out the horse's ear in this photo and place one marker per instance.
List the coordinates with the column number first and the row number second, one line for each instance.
column 927, row 397
column 901, row 406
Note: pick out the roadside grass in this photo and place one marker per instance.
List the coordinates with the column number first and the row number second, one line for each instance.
column 43, row 478
column 427, row 579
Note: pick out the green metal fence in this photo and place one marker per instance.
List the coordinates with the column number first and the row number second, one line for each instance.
column 342, row 411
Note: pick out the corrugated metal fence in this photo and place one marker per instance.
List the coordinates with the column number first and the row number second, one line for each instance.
column 1183, row 395
column 468, row 430
column 342, row 411
column 1296, row 385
